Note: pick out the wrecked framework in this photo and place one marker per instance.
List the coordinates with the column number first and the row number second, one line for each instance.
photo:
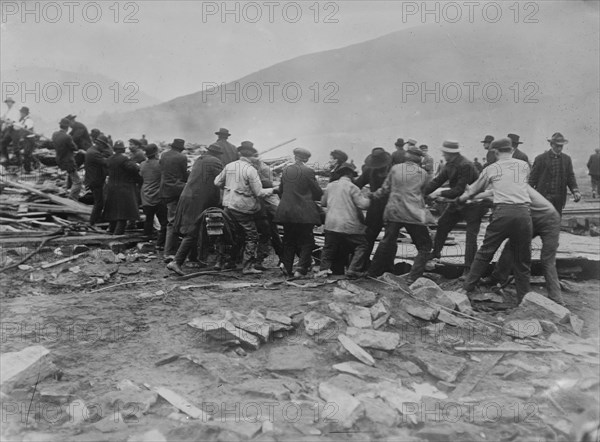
column 365, row 329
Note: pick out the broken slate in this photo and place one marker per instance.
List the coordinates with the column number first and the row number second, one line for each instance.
column 290, row 358
column 349, row 409
column 461, row 301
column 363, row 371
column 355, row 350
column 576, row 324
column 373, row 339
column 354, row 315
column 419, row 309
column 279, row 317
column 25, row 367
column 216, row 327
column 545, row 306
column 441, row 365
column 523, row 328
column 361, row 296
column 316, row 323
column 381, row 308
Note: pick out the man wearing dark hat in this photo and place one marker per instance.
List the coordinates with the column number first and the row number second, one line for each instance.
column 399, row 154
column 375, row 170
column 26, row 137
column 121, row 200
column 458, row 172
column 552, row 173
column 344, row 222
column 199, row 194
column 511, row 217
column 298, row 212
column 65, row 149
column 518, row 154
column 174, row 175
column 79, row 133
column 96, row 171
column 230, row 153
column 8, row 135
column 136, row 152
column 243, row 189
column 336, row 159
column 490, row 155
column 152, row 204
column 405, row 208
column 593, row 166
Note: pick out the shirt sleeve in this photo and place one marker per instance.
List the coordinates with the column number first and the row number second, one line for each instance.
column 220, row 179
column 359, row 200
column 466, row 174
column 481, row 183
column 254, row 181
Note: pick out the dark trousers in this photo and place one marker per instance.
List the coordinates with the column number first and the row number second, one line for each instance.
column 557, row 202
column 98, row 194
column 548, row 228
column 188, row 246
column 160, row 211
column 375, row 224
column 26, row 148
column 386, row 252
column 252, row 247
column 334, row 241
column 9, row 135
column 512, row 221
column 298, row 240
column 472, row 214
column 172, row 239
column 595, row 184
column 117, row 227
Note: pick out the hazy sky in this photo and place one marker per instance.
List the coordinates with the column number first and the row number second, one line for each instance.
column 177, row 45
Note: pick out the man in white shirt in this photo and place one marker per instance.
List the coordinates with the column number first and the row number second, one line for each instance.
column 26, row 137
column 8, row 133
column 511, row 217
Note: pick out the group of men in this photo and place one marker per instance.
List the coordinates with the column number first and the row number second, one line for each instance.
column 17, row 129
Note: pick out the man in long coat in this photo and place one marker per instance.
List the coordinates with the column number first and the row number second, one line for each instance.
column 199, row 194
column 298, row 212
column 173, row 164
column 121, row 201
column 230, row 153
column 552, row 173
column 65, row 149
column 96, row 171
column 405, row 208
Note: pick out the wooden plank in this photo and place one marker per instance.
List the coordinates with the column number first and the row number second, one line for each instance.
column 475, row 375
column 67, row 240
column 66, row 202
column 181, row 403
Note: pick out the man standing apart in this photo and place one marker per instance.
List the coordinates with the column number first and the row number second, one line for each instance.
column 552, row 173
column 230, row 153
column 511, row 217
column 593, row 166
column 9, row 135
column 405, row 208
column 298, row 212
column 174, row 175
column 65, row 150
column 458, row 172
column 344, row 222
column 243, row 189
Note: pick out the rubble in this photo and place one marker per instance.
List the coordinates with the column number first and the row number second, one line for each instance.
column 349, row 409
column 354, row 315
column 461, row 301
column 544, row 306
column 25, row 367
column 290, row 358
column 523, row 328
column 359, row 295
column 380, row 308
column 441, row 365
column 419, row 309
column 373, row 339
column 355, row 350
column 363, row 371
column 219, row 328
column 316, row 323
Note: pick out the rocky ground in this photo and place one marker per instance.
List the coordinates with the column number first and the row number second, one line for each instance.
column 113, row 347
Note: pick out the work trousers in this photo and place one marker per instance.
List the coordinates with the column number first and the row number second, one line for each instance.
column 335, row 241
column 171, row 240
column 98, row 194
column 512, row 221
column 298, row 240
column 386, row 251
column 160, row 211
column 256, row 246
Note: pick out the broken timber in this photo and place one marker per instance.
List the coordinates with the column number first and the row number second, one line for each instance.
column 74, row 206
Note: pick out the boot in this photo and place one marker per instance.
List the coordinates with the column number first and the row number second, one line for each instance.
column 250, row 270
column 174, row 267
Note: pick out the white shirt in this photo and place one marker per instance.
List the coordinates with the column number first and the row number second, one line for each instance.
column 508, row 179
column 10, row 116
column 242, row 186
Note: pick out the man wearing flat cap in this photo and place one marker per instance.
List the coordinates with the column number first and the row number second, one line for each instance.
column 405, row 208
column 152, row 204
column 199, row 193
column 96, row 171
column 65, row 149
column 458, row 172
column 298, row 212
column 230, row 153
column 511, row 217
column 552, row 173
column 374, row 172
column 174, row 175
column 241, row 199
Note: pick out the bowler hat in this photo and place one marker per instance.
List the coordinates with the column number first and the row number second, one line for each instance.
column 424, row 147
column 64, row 122
column 178, row 143
column 515, row 138
column 247, row 149
column 9, row 100
column 414, row 150
column 135, row 142
column 302, row 153
column 151, row 149
column 399, row 142
column 378, row 158
column 70, row 117
column 119, row 145
column 449, row 146
column 222, row 131
column 215, row 148
column 24, row 109
column 503, row 144
column 345, row 167
column 339, row 155
column 488, row 139
column 102, row 139
column 557, row 138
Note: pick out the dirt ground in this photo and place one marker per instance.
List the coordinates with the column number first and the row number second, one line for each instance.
column 100, row 339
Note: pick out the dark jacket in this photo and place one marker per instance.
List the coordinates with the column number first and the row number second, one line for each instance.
column 80, row 135
column 375, row 179
column 593, row 164
column 174, row 174
column 459, row 172
column 96, row 167
column 298, row 191
column 199, row 194
column 540, row 178
column 121, row 199
column 520, row 155
column 150, row 191
column 230, row 153
column 65, row 150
